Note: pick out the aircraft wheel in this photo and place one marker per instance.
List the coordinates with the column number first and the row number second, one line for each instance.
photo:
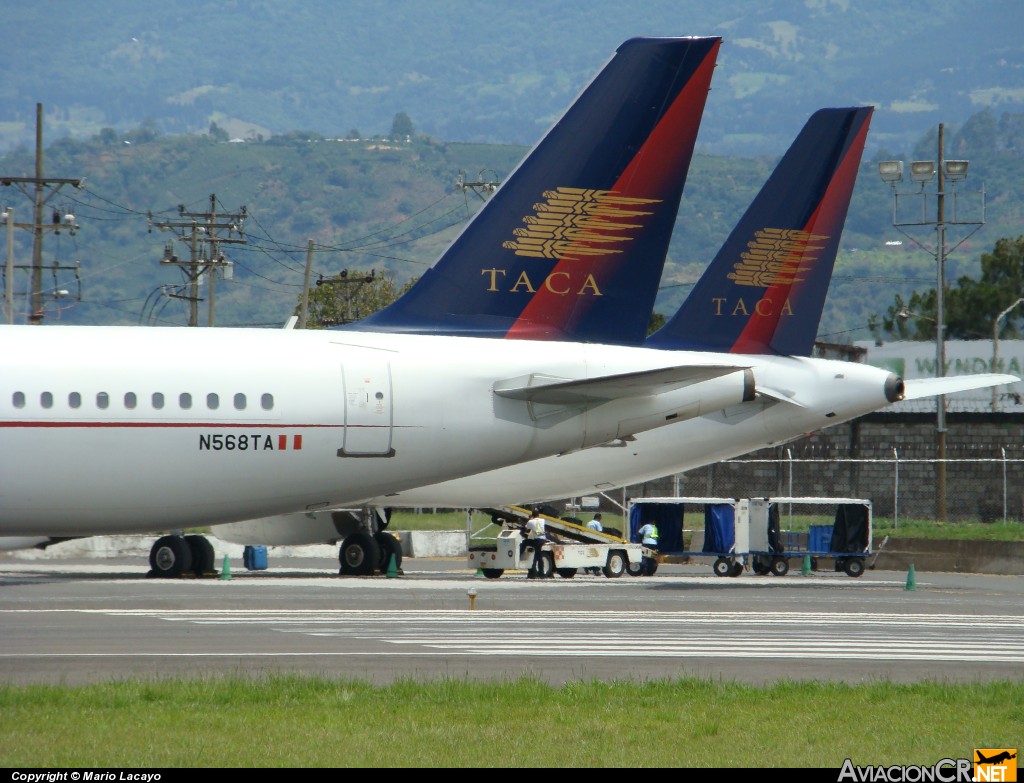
column 566, row 573
column 389, row 547
column 854, row 566
column 635, row 569
column 202, row 554
column 616, row 565
column 170, row 556
column 722, row 567
column 359, row 554
column 780, row 566
column 493, row 573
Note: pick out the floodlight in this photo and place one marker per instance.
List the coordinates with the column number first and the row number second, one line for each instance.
column 922, row 170
column 955, row 170
column 891, row 170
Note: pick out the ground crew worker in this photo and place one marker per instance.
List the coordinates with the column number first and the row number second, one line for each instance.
column 594, row 524
column 536, row 536
column 649, row 538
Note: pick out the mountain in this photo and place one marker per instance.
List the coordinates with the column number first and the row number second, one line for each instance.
column 495, row 72
column 391, row 206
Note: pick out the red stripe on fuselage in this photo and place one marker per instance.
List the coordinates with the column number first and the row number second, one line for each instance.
column 663, row 155
column 193, row 425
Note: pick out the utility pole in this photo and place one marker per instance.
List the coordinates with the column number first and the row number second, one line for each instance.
column 343, row 279
column 922, row 172
column 9, row 268
column 304, row 311
column 41, row 190
column 200, row 231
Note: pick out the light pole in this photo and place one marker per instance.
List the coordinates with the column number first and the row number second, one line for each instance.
column 922, row 172
column 995, row 348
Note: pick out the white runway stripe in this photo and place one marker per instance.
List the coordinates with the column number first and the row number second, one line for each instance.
column 575, row 634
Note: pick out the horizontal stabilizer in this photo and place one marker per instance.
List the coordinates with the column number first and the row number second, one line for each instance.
column 541, row 389
column 779, row 395
column 918, row 388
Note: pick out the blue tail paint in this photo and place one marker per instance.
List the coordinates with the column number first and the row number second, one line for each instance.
column 572, row 245
column 765, row 290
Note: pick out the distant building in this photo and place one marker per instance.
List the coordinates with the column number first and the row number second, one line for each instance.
column 916, row 359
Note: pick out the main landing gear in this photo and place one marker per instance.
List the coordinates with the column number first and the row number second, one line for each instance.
column 177, row 555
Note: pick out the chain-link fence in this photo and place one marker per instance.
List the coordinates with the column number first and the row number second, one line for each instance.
column 977, row 489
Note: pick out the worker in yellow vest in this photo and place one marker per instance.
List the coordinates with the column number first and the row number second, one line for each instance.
column 648, row 535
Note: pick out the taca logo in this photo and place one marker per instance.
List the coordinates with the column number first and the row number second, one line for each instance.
column 577, row 223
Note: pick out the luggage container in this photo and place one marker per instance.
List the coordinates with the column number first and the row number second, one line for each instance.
column 761, row 534
column 726, row 531
column 846, row 540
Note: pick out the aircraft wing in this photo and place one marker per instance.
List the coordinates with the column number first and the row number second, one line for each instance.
column 559, row 391
column 916, row 388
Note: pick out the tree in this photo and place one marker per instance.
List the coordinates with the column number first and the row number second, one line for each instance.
column 401, row 127
column 350, row 296
column 217, row 133
column 971, row 306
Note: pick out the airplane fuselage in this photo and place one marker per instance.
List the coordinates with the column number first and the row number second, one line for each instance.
column 138, row 429
column 808, row 395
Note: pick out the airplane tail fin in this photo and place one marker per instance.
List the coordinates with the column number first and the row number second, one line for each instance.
column 571, row 246
column 765, row 290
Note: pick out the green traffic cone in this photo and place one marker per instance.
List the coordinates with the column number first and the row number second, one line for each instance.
column 225, row 570
column 806, row 568
column 392, row 568
column 911, row 581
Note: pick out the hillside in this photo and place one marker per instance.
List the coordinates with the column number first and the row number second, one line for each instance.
column 376, row 204
column 494, row 72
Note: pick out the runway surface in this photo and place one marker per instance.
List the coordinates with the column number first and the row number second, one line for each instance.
column 88, row 621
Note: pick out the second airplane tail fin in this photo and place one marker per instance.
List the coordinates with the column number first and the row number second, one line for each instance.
column 572, row 245
column 765, row 290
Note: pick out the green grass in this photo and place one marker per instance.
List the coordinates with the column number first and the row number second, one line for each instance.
column 297, row 721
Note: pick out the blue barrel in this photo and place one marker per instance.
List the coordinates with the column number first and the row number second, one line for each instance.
column 820, row 538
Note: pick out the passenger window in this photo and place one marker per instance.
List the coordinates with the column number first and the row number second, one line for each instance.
column 46, row 399
column 18, row 398
column 267, row 402
column 185, row 400
column 75, row 400
column 212, row 401
column 158, row 400
column 239, row 402
column 130, row 400
column 102, row 400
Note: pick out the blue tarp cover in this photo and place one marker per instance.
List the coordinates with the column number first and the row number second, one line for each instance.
column 719, row 528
